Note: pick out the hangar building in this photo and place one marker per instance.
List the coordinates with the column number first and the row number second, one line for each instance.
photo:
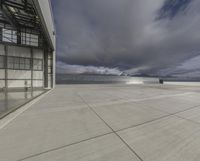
column 27, row 45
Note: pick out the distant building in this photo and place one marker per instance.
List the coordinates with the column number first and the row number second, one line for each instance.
column 27, row 44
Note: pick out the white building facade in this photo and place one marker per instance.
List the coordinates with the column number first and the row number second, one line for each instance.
column 27, row 45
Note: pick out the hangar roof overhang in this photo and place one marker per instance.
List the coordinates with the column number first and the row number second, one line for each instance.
column 44, row 10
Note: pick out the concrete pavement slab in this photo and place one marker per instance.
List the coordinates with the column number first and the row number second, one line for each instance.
column 120, row 116
column 192, row 114
column 167, row 139
column 171, row 104
column 105, row 148
column 35, row 132
column 96, row 97
column 61, row 126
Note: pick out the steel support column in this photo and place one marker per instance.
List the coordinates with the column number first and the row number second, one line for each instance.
column 31, row 71
column 45, row 68
column 6, row 73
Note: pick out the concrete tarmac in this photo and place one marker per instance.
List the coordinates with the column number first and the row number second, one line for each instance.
column 114, row 122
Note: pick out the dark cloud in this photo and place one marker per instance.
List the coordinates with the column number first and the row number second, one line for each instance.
column 171, row 8
column 189, row 68
column 134, row 36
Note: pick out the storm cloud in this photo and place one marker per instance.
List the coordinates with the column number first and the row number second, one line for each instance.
column 131, row 36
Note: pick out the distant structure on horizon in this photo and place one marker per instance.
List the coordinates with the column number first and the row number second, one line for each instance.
column 27, row 44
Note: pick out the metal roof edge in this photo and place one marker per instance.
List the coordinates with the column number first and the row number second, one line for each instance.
column 44, row 24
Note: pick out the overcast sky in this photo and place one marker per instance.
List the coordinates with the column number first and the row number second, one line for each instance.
column 160, row 37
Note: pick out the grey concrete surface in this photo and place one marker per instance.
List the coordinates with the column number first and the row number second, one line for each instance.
column 175, row 104
column 124, row 115
column 11, row 100
column 192, row 114
column 107, row 123
column 167, row 139
column 105, row 148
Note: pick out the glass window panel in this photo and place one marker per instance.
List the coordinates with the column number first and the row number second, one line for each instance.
column 5, row 31
column 29, row 39
column 37, row 64
column 2, row 61
column 10, row 62
column 9, row 36
column 27, row 64
column 16, row 63
column 19, row 63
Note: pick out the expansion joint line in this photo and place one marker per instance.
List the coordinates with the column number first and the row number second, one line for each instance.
column 61, row 147
column 110, row 127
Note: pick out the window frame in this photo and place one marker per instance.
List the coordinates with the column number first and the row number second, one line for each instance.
column 23, row 63
column 19, row 63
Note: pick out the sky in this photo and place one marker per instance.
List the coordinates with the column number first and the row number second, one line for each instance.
column 153, row 37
